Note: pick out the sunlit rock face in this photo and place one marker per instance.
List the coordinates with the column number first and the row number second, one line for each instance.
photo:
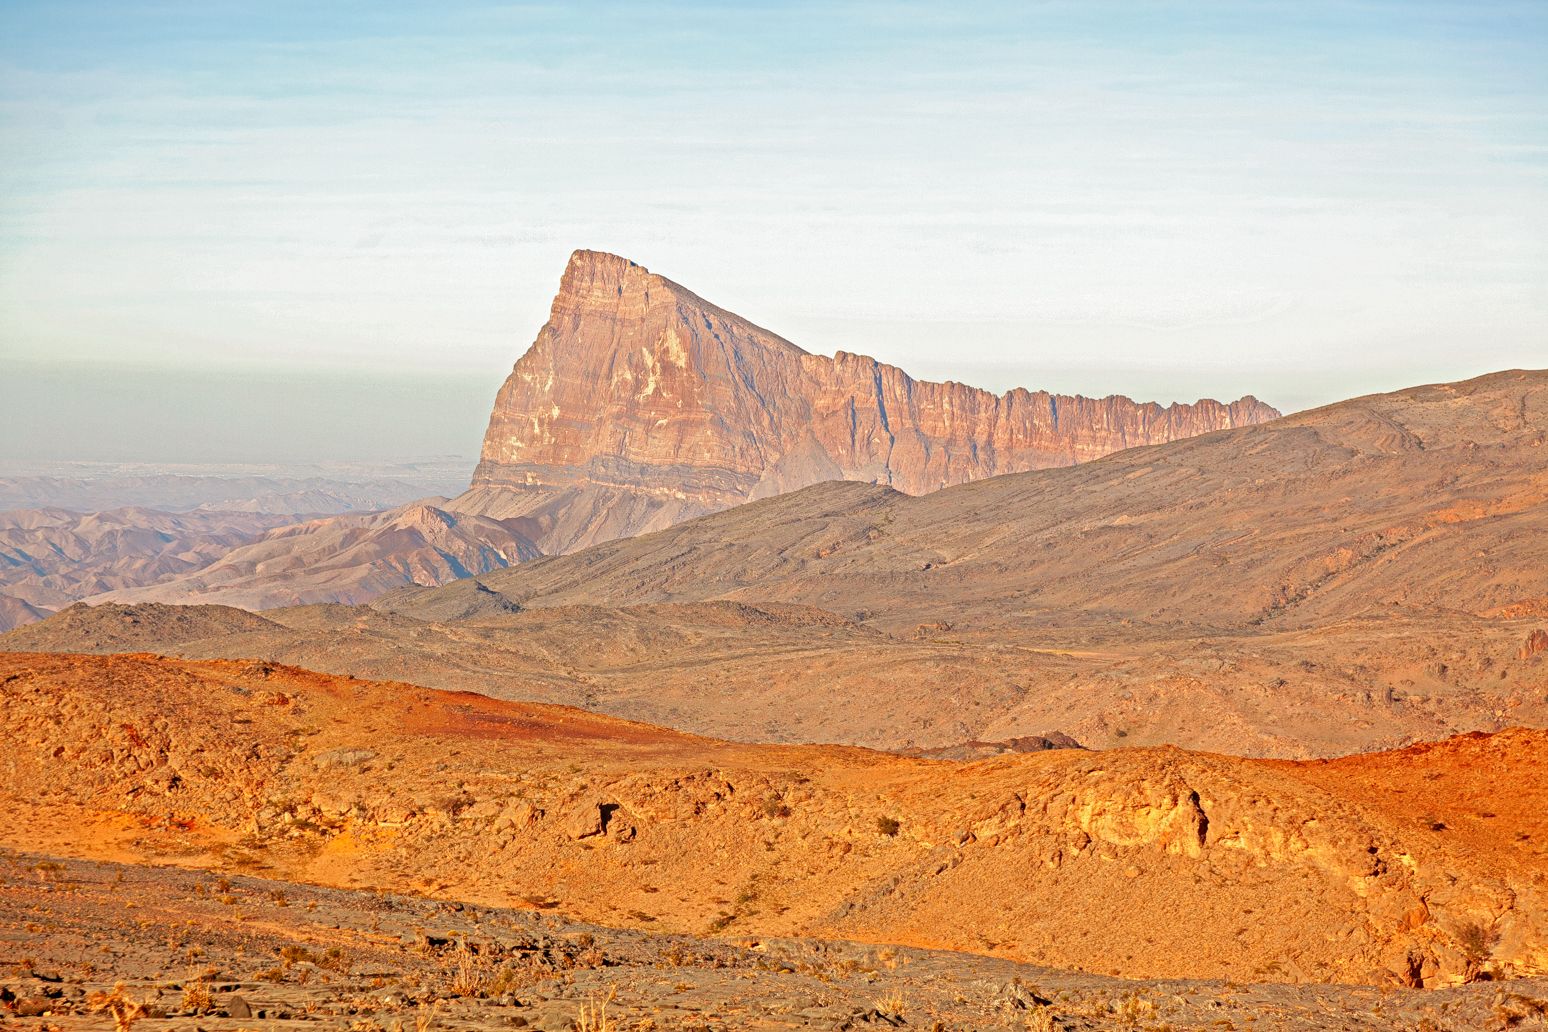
column 641, row 404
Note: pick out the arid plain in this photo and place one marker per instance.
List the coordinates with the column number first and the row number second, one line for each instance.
column 747, row 688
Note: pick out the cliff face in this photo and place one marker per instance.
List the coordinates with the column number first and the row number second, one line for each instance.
column 641, row 404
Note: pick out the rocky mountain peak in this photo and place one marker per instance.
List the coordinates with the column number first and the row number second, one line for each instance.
column 596, row 276
column 641, row 404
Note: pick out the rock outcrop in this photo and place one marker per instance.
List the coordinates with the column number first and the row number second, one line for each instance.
column 641, row 404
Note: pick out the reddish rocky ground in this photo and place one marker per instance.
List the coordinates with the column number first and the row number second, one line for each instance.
column 1151, row 863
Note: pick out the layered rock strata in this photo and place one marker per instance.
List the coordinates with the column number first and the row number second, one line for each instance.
column 641, row 404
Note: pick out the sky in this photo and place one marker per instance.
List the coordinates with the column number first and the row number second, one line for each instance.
column 238, row 232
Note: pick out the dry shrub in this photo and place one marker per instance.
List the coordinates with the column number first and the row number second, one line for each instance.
column 1133, row 1009
column 125, row 1009
column 332, row 959
column 469, row 972
column 197, row 996
column 593, row 1014
column 891, row 1005
column 48, row 870
column 1515, row 1009
column 1476, row 941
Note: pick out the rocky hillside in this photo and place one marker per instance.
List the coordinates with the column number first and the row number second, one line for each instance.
column 51, row 557
column 348, row 558
column 1356, row 578
column 16, row 613
column 1407, row 868
column 1432, row 497
column 200, row 948
column 641, row 404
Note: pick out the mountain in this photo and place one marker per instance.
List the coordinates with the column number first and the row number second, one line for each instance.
column 1431, row 497
column 149, row 625
column 1401, row 868
column 51, row 557
column 1353, row 578
column 14, row 613
column 347, row 558
column 640, row 405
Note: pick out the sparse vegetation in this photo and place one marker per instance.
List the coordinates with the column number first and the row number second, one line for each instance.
column 891, row 1005
column 332, row 959
column 1514, row 1010
column 1042, row 1019
column 48, row 870
column 1133, row 1009
column 593, row 1014
column 197, row 997
column 469, row 972
column 125, row 1009
column 1476, row 941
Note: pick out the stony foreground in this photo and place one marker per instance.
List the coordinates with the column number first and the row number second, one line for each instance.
column 193, row 949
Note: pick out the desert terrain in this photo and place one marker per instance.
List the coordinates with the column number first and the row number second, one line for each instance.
column 1358, row 577
column 348, row 558
column 1383, row 868
column 51, row 557
column 1244, row 730
column 639, row 405
column 230, row 951
column 720, row 517
column 70, row 534
column 244, row 844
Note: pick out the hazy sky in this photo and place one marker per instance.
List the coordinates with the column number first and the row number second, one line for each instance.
column 304, row 213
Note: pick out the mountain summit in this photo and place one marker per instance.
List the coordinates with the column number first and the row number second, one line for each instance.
column 640, row 404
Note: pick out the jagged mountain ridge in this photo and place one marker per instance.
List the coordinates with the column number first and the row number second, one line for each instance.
column 641, row 404
column 1356, row 577
column 1431, row 496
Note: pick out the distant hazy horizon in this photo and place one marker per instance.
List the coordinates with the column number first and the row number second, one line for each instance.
column 55, row 415
column 325, row 232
